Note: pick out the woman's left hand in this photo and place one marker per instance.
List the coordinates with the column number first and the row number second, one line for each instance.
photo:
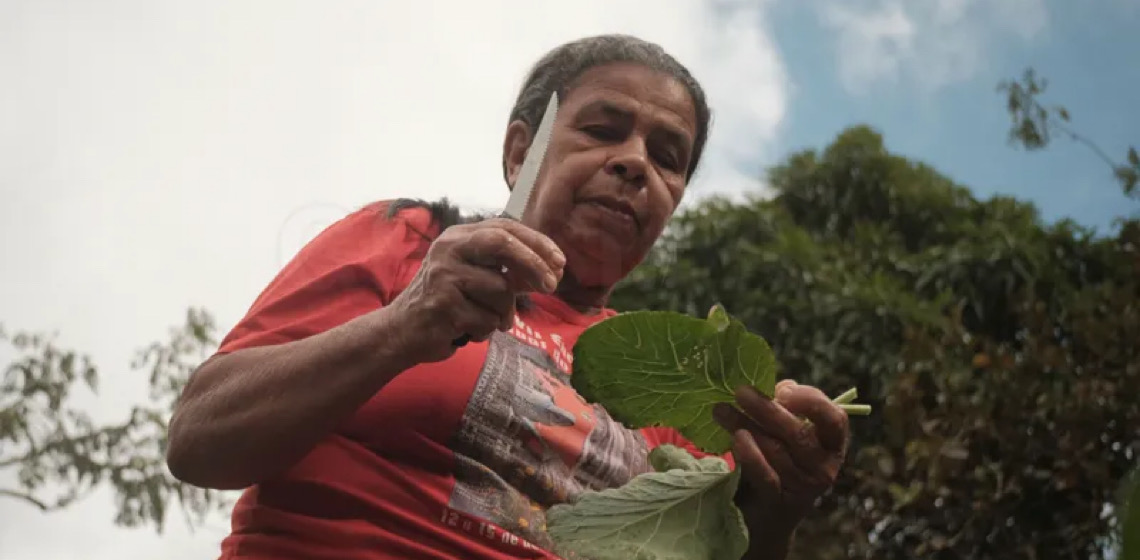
column 789, row 449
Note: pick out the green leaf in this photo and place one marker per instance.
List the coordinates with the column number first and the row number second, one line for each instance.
column 661, row 368
column 719, row 318
column 684, row 511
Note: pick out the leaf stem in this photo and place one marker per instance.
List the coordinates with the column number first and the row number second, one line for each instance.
column 844, row 401
column 847, row 397
column 856, row 409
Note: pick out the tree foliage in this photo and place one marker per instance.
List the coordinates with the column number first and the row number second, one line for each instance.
column 999, row 352
column 58, row 454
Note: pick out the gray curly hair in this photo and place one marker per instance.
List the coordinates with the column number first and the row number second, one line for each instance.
column 561, row 66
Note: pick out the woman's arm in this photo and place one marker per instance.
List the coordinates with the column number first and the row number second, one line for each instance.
column 322, row 340
column 249, row 414
column 771, row 532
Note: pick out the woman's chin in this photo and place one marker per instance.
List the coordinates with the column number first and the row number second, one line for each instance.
column 598, row 265
column 594, row 277
column 595, row 257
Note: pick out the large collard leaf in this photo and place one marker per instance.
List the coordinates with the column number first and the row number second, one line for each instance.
column 661, row 368
column 684, row 511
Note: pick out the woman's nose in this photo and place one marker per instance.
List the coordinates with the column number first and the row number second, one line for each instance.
column 629, row 163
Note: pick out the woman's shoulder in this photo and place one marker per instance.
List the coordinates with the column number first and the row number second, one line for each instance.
column 429, row 217
column 404, row 221
column 383, row 234
column 425, row 218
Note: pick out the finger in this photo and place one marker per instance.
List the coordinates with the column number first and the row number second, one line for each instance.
column 497, row 247
column 730, row 418
column 489, row 290
column 797, row 436
column 474, row 321
column 769, row 416
column 762, row 479
column 832, row 425
column 784, row 383
column 778, row 456
column 779, row 453
column 538, row 242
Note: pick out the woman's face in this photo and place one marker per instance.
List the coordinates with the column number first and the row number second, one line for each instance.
column 614, row 170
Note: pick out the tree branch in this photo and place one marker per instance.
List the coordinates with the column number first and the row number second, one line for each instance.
column 25, row 497
column 1083, row 140
column 1034, row 125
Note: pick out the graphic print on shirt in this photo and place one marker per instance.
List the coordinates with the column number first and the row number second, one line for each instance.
column 527, row 441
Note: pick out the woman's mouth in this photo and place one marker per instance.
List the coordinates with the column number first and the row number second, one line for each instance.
column 617, row 210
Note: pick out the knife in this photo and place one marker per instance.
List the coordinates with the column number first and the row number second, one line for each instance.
column 524, row 185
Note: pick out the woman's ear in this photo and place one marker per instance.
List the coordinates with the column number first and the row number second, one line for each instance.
column 515, row 144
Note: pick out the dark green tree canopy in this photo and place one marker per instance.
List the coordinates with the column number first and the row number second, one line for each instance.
column 999, row 351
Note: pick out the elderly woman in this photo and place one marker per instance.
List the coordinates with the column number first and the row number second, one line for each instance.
column 361, row 431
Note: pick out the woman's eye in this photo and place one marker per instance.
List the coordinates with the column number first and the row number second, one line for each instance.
column 602, row 132
column 666, row 159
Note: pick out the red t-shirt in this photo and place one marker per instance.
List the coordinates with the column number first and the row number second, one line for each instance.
column 451, row 460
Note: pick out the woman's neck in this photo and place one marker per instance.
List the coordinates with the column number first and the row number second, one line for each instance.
column 588, row 300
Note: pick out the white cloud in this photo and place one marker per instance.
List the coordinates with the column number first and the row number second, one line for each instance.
column 157, row 154
column 926, row 43
column 748, row 90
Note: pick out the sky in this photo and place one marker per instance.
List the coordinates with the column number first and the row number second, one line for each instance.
column 160, row 154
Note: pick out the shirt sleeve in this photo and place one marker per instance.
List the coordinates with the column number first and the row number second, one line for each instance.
column 357, row 265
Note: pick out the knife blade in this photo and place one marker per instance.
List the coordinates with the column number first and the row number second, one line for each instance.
column 532, row 163
column 528, row 174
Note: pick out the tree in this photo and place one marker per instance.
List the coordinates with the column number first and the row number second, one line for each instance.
column 1034, row 126
column 998, row 351
column 1130, row 520
column 59, row 455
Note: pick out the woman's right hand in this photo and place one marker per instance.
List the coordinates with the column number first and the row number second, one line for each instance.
column 462, row 289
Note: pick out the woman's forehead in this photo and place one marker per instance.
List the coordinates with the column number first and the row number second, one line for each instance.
column 623, row 90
